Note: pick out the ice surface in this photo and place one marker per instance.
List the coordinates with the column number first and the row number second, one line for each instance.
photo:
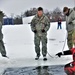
column 19, row 43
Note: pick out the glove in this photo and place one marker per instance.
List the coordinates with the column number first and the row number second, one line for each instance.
column 59, row 54
column 43, row 30
column 70, row 23
column 35, row 31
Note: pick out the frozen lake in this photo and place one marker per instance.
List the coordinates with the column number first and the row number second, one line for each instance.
column 19, row 43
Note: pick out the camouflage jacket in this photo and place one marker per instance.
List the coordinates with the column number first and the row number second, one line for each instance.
column 40, row 23
column 70, row 20
column 1, row 35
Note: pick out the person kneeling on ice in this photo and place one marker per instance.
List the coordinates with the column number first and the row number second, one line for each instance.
column 40, row 24
column 69, row 68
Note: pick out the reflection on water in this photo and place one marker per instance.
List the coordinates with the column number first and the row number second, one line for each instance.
column 40, row 70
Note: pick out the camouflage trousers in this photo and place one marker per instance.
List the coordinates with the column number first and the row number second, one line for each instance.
column 43, row 40
column 71, row 38
column 2, row 48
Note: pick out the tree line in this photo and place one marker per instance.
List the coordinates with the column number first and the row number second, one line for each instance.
column 53, row 15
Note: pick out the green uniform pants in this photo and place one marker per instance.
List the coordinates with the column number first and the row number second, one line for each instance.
column 2, row 48
column 37, row 40
column 70, row 39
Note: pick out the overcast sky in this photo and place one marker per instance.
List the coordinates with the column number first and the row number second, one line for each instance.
column 19, row 6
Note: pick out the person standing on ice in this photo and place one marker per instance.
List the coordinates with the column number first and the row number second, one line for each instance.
column 40, row 24
column 70, row 21
column 2, row 47
column 70, row 24
column 59, row 23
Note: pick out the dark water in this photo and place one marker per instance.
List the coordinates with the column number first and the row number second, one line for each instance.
column 40, row 70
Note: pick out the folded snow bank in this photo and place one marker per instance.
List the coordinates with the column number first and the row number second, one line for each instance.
column 27, row 20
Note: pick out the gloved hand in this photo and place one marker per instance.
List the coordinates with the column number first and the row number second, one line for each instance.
column 43, row 30
column 35, row 31
column 59, row 54
column 70, row 23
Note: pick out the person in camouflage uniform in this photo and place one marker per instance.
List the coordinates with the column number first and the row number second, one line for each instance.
column 70, row 25
column 2, row 47
column 40, row 24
